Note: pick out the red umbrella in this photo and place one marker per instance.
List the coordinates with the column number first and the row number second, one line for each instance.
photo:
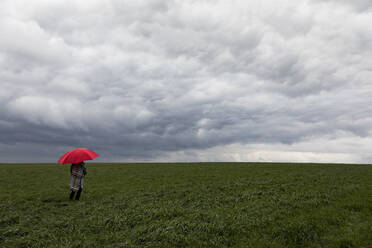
column 77, row 155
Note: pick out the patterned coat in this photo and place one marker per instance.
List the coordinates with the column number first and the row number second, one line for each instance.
column 78, row 173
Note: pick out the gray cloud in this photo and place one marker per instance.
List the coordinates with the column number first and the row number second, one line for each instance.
column 165, row 80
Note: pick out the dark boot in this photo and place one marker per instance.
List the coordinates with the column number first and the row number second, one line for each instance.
column 72, row 194
column 78, row 194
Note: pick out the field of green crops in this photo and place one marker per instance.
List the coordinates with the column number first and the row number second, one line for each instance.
column 188, row 205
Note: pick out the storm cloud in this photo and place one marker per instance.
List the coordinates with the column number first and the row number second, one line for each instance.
column 162, row 80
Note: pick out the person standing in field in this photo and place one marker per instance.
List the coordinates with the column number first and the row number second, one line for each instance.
column 78, row 172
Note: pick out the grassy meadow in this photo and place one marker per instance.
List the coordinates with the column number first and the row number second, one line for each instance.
column 188, row 205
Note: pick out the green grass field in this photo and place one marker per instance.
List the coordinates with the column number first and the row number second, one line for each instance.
column 188, row 205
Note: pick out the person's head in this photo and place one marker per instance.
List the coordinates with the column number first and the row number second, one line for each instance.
column 82, row 163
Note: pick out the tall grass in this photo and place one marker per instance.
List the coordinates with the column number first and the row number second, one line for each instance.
column 188, row 205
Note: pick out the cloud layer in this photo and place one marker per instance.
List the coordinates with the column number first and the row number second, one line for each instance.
column 164, row 80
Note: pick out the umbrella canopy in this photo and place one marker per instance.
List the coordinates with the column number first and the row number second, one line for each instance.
column 77, row 155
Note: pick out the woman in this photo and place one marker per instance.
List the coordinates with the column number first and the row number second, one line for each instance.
column 78, row 172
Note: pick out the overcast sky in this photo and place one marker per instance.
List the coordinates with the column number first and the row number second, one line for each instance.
column 198, row 80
